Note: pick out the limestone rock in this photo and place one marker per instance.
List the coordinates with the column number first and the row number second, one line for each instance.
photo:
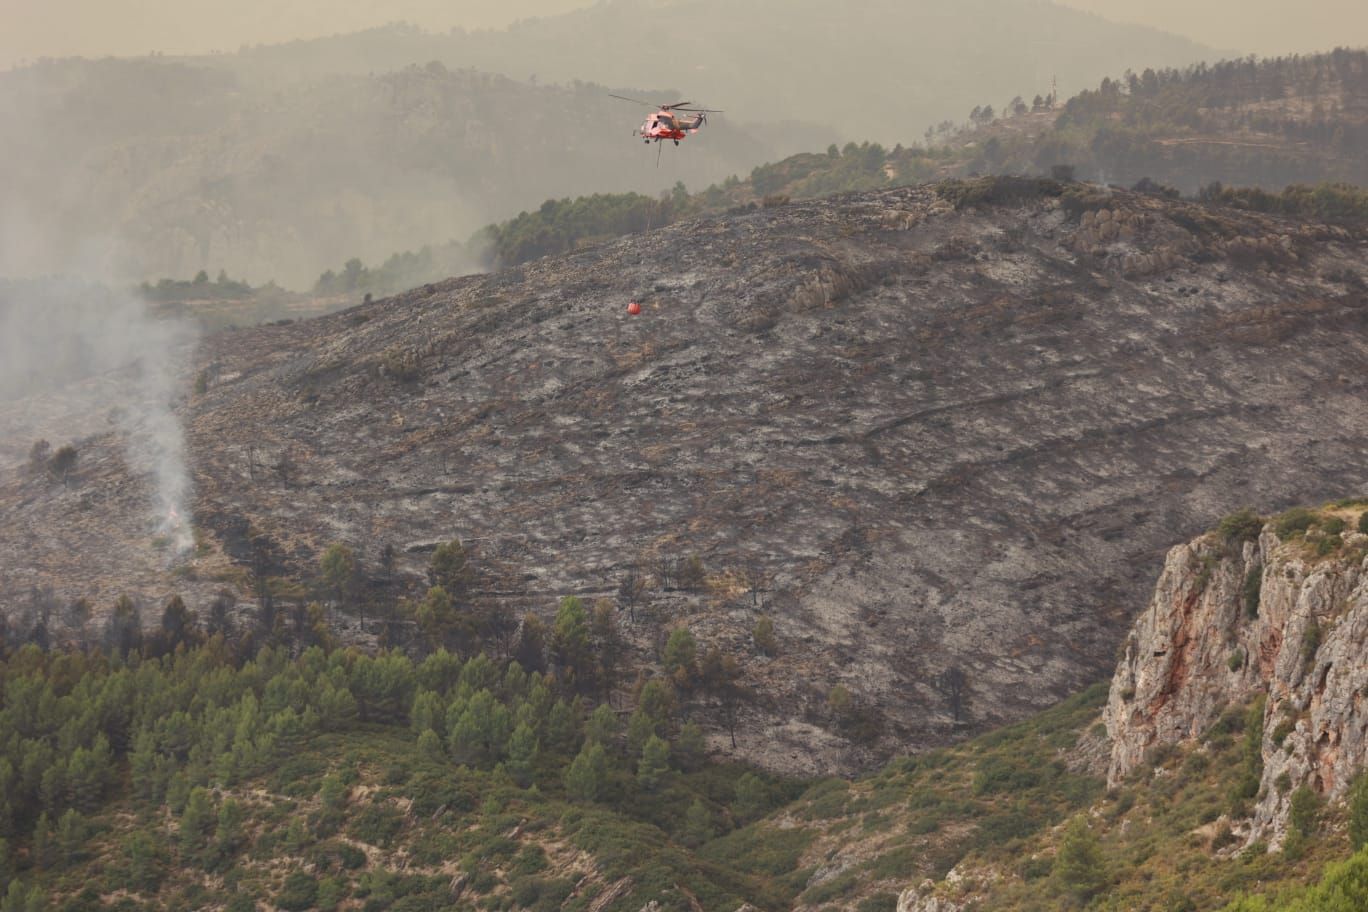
column 1198, row 648
column 928, row 897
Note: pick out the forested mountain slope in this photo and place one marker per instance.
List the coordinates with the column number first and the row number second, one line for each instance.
column 895, row 424
column 1262, row 123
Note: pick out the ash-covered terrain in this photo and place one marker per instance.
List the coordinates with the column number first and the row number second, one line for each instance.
column 925, row 429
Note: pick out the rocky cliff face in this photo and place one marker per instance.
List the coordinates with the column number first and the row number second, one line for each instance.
column 1231, row 619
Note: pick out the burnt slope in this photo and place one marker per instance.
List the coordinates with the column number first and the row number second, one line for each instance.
column 946, row 437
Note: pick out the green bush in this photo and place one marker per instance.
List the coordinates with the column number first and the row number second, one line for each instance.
column 1286, row 725
column 1311, row 642
column 1252, row 591
column 996, row 775
column 377, row 825
column 879, row 902
column 1035, row 868
column 831, row 889
column 1294, row 522
column 299, row 892
column 1240, row 527
column 1236, row 660
column 1358, row 813
column 1080, row 867
column 1303, row 814
column 760, row 850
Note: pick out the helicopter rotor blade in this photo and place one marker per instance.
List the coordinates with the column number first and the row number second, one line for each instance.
column 701, row 110
column 633, row 100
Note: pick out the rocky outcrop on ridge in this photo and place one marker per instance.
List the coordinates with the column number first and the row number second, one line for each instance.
column 1232, row 619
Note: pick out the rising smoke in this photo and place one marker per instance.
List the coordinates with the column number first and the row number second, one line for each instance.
column 83, row 355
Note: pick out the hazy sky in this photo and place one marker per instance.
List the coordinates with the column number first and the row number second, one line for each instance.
column 33, row 28
column 1265, row 27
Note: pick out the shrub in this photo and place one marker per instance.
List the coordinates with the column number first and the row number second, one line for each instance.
column 1363, row 522
column 299, row 892
column 1285, row 727
column 1294, row 522
column 839, row 700
column 763, row 634
column 1303, row 813
column 1333, row 525
column 1247, row 784
column 63, row 461
column 831, row 889
column 401, row 363
column 1252, row 591
column 1236, row 660
column 1311, row 642
column 1240, row 527
column 761, row 850
column 1358, row 813
column 997, row 775
column 879, row 902
column 1224, row 837
column 41, row 451
column 752, row 798
column 1035, row 868
column 1079, row 866
column 1328, row 545
column 691, row 574
column 377, row 825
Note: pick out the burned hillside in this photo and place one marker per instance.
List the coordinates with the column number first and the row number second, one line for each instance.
column 937, row 434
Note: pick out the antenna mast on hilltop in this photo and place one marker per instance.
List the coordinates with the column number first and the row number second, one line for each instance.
column 1054, row 90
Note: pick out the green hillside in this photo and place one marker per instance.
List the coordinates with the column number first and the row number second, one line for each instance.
column 196, row 778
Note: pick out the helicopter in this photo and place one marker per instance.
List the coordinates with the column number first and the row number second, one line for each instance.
column 664, row 124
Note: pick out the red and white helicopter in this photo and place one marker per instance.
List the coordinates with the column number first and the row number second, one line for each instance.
column 663, row 124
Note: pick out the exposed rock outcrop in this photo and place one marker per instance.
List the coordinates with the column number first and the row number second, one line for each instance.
column 1229, row 620
column 928, row 897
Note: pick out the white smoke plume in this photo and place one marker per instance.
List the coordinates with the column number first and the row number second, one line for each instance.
column 84, row 354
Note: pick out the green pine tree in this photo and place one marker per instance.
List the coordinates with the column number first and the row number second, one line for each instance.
column 196, row 820
column 522, row 754
column 586, row 779
column 654, row 763
column 602, row 727
column 752, row 798
column 698, row 824
column 1079, row 866
column 1358, row 813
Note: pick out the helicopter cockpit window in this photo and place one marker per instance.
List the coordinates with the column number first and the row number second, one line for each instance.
column 666, row 120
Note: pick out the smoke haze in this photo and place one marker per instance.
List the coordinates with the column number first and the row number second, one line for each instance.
column 81, row 357
column 36, row 28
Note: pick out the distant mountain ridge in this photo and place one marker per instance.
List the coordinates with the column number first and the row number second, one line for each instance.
column 872, row 69
column 139, row 169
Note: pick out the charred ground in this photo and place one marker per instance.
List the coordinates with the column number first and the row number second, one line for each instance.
column 947, row 427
